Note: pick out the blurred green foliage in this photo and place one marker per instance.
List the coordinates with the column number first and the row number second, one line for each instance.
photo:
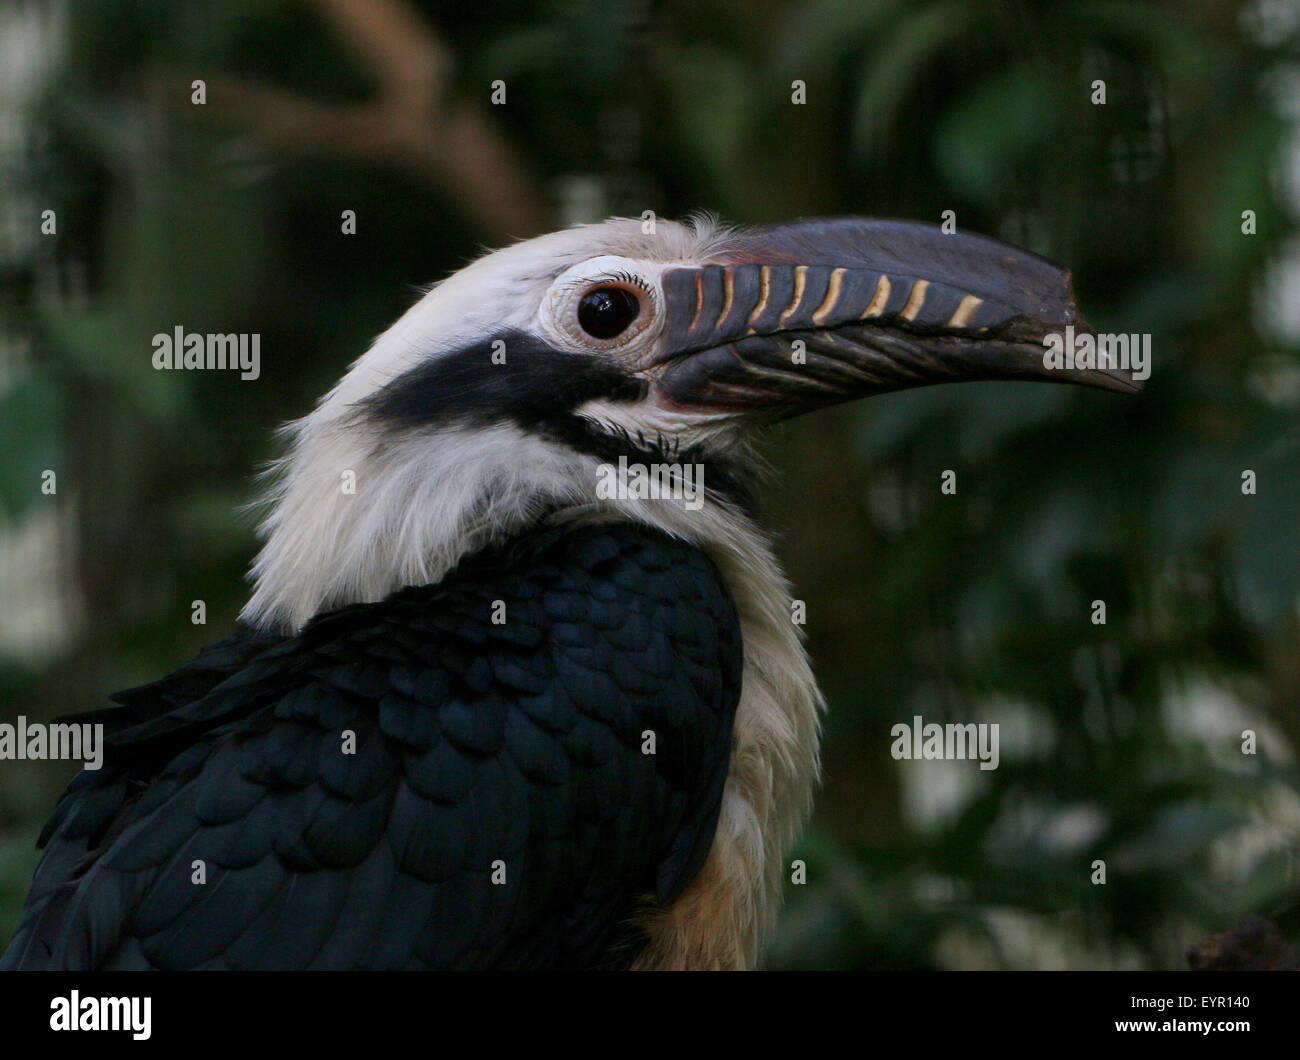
column 1122, row 740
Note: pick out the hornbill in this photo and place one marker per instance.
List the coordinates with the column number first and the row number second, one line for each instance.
column 480, row 712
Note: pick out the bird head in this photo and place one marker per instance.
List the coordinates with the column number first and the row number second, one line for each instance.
column 500, row 395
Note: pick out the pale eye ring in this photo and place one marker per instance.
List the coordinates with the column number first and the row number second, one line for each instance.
column 607, row 310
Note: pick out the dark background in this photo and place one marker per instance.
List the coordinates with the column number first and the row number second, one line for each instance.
column 1120, row 741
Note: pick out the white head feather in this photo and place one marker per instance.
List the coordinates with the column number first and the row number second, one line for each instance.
column 354, row 516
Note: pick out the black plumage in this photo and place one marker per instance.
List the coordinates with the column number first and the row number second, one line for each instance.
column 477, row 743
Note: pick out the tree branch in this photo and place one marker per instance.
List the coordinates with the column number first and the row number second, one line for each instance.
column 412, row 122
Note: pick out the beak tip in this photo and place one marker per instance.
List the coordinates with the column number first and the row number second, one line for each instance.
column 1116, row 380
column 1123, row 383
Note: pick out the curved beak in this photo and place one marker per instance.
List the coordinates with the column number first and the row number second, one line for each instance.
column 816, row 312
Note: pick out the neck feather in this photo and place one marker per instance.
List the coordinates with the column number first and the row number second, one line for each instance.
column 356, row 516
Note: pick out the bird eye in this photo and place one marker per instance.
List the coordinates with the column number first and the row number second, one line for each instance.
column 607, row 312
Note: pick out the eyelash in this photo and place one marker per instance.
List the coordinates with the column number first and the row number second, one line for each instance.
column 628, row 278
column 587, row 282
column 634, row 281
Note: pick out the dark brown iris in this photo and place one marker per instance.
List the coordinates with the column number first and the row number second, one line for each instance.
column 607, row 312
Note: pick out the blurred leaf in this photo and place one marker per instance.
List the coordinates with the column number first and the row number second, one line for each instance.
column 31, row 413
column 985, row 138
column 914, row 41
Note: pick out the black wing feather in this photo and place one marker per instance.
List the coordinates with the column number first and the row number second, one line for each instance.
column 473, row 745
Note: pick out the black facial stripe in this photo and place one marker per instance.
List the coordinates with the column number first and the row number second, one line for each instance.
column 607, row 444
column 538, row 388
column 535, row 384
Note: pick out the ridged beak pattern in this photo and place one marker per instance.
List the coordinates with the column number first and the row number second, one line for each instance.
column 818, row 312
